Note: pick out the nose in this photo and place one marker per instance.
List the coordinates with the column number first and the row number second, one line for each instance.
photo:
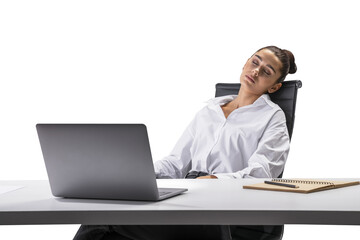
column 255, row 72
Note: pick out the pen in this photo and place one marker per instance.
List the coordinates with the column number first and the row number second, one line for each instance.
column 281, row 184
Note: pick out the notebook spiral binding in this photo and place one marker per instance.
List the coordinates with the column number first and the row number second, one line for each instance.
column 301, row 181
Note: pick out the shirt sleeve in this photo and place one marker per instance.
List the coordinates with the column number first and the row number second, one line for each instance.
column 178, row 163
column 269, row 158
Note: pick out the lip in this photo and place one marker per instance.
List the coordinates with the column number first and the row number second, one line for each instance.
column 250, row 78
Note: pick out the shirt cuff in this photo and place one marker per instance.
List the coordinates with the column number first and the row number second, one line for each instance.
column 157, row 169
column 159, row 173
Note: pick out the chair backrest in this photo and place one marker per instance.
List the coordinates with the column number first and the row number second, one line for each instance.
column 285, row 97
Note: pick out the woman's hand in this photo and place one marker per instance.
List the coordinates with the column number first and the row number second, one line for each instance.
column 207, row 177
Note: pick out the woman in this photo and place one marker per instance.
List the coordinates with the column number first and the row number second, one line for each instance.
column 239, row 136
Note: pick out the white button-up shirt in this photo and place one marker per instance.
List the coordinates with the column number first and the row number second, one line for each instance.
column 253, row 142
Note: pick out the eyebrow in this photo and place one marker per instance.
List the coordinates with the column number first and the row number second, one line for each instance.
column 267, row 64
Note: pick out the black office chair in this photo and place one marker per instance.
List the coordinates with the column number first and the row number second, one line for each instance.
column 285, row 97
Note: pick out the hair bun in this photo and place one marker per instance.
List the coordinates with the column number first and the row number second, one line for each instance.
column 292, row 68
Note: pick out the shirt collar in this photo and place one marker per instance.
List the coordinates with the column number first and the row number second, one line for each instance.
column 263, row 99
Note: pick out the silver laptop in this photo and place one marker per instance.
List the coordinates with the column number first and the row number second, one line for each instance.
column 103, row 161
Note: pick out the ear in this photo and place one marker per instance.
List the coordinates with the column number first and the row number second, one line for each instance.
column 274, row 88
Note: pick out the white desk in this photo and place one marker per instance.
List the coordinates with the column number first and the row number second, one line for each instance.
column 207, row 202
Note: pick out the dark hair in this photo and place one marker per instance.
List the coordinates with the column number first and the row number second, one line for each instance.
column 286, row 58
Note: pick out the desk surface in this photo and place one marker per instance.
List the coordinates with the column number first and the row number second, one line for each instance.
column 208, row 201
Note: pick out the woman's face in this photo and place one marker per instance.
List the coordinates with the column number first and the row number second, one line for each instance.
column 261, row 72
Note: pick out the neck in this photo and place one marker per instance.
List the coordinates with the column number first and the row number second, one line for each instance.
column 245, row 98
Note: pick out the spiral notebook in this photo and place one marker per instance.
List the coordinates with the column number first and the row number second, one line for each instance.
column 301, row 185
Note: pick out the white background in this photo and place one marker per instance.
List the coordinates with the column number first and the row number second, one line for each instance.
column 157, row 62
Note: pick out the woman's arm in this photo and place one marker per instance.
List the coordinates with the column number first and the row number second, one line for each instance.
column 178, row 163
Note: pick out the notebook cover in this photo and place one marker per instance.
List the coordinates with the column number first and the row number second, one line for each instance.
column 303, row 187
